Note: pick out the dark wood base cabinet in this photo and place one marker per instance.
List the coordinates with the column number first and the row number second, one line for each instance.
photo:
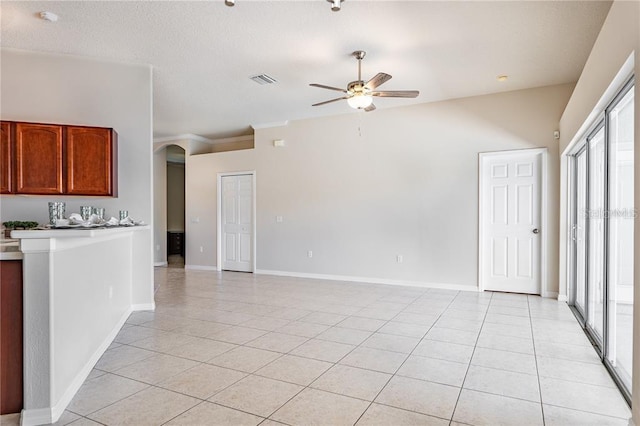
column 175, row 243
column 11, row 389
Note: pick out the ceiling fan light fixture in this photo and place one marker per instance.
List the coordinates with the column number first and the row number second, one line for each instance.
column 335, row 5
column 360, row 101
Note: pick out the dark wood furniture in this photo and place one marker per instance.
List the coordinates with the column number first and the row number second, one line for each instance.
column 11, row 383
column 90, row 167
column 51, row 159
column 175, row 243
column 38, row 159
column 6, row 165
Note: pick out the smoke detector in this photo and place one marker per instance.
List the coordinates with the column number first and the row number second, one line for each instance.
column 48, row 16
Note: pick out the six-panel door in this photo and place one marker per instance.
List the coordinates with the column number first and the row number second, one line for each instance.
column 237, row 223
column 511, row 196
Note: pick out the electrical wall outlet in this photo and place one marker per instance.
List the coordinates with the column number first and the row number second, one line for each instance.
column 201, row 249
column 310, row 254
column 399, row 258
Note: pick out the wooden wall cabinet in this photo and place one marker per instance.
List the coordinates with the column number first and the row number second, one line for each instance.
column 50, row 159
column 90, row 169
column 38, row 159
column 6, row 155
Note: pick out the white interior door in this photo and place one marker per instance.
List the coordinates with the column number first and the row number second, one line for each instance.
column 511, row 221
column 237, row 223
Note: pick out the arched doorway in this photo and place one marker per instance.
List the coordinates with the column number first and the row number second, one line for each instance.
column 175, row 205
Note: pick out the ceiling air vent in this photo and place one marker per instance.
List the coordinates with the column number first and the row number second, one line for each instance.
column 263, row 79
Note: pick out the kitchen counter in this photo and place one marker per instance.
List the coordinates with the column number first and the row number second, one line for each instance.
column 10, row 249
column 80, row 286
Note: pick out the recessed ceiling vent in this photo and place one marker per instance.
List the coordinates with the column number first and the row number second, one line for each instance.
column 263, row 79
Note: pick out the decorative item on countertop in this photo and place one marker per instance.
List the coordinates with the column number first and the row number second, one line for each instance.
column 17, row 224
column 76, row 221
column 56, row 211
column 85, row 212
column 98, row 211
column 94, row 220
column 124, row 214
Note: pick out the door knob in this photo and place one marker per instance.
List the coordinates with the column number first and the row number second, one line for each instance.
column 536, row 231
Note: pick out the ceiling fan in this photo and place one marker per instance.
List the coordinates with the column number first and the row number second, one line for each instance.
column 359, row 95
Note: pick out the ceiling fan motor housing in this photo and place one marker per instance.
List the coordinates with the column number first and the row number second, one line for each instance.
column 356, row 87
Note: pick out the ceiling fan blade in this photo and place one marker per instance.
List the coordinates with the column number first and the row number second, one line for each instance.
column 377, row 80
column 322, row 86
column 397, row 94
column 332, row 100
column 370, row 108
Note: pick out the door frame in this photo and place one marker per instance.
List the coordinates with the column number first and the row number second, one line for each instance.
column 219, row 217
column 573, row 246
column 483, row 158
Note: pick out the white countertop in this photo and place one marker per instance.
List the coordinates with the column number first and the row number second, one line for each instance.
column 10, row 249
column 74, row 232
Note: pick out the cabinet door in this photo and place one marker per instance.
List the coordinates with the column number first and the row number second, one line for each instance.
column 6, row 169
column 90, row 163
column 11, row 354
column 38, row 151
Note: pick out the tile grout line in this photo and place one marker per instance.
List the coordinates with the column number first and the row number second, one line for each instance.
column 405, row 360
column 535, row 357
column 308, row 386
column 455, row 407
column 344, row 356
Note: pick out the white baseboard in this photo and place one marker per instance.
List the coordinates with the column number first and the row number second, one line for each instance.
column 160, row 264
column 370, row 280
column 45, row 415
column 201, row 267
column 550, row 294
column 144, row 307
column 36, row 416
column 562, row 298
column 631, row 423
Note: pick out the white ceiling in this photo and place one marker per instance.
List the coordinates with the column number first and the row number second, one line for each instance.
column 203, row 52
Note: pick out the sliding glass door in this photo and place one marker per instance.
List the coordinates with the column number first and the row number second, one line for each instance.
column 602, row 235
column 620, row 241
column 595, row 216
column 580, row 233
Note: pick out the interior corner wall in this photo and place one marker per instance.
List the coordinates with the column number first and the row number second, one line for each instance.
column 361, row 188
column 47, row 88
column 175, row 197
column 160, row 207
column 619, row 39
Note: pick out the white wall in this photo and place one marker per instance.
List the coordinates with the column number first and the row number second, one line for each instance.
column 359, row 189
column 160, row 207
column 63, row 89
column 73, row 90
column 619, row 39
column 175, row 197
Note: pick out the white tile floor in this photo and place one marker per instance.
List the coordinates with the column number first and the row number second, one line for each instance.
column 235, row 348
